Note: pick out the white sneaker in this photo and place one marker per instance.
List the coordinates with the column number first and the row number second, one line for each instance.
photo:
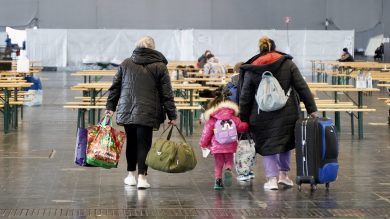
column 243, row 177
column 143, row 184
column 130, row 180
column 251, row 175
column 284, row 180
column 271, row 184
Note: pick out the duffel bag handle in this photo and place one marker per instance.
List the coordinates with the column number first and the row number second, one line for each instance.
column 178, row 130
column 170, row 127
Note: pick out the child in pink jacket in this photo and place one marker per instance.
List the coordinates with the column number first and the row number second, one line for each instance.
column 224, row 110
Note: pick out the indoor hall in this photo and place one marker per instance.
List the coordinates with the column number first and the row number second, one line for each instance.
column 71, row 64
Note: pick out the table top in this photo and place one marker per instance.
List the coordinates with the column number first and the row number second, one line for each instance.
column 97, row 85
column 356, row 64
column 191, row 87
column 15, row 85
column 343, row 89
column 94, row 73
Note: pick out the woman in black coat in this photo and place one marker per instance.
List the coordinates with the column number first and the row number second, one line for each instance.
column 141, row 94
column 273, row 131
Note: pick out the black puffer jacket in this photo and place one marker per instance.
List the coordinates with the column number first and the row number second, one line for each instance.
column 273, row 132
column 141, row 91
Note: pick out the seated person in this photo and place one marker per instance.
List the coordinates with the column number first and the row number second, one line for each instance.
column 379, row 52
column 202, row 60
column 346, row 56
column 213, row 67
column 233, row 84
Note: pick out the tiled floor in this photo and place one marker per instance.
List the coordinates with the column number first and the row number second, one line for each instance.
column 34, row 185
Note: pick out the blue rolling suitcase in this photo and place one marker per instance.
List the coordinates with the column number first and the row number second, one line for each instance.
column 316, row 152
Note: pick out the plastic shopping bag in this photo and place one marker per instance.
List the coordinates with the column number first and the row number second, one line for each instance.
column 245, row 156
column 104, row 145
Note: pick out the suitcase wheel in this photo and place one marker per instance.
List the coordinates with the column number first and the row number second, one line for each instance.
column 299, row 187
column 327, row 186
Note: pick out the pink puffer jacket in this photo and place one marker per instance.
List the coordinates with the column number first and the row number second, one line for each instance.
column 224, row 111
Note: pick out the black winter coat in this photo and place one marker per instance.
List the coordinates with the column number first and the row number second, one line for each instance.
column 273, row 132
column 141, row 91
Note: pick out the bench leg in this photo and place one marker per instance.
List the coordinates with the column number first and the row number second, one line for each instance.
column 16, row 116
column 388, row 118
column 360, row 125
column 188, row 128
column 191, row 121
column 81, row 118
column 185, row 115
column 360, row 115
column 181, row 120
column 6, row 111
column 352, row 124
column 337, row 121
column 6, row 118
column 21, row 112
column 98, row 115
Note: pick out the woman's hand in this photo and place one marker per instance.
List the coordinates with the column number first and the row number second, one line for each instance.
column 314, row 115
column 172, row 122
column 109, row 113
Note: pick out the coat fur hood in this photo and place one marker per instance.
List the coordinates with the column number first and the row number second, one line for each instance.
column 226, row 104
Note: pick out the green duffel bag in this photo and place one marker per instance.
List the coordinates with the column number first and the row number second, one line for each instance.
column 170, row 156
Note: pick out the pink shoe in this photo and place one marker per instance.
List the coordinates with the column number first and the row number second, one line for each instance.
column 284, row 180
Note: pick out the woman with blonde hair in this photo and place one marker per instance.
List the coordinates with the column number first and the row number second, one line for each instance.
column 273, row 131
column 141, row 94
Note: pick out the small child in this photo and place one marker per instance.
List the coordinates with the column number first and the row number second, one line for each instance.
column 221, row 116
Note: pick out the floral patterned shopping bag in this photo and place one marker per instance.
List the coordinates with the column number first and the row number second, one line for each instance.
column 104, row 144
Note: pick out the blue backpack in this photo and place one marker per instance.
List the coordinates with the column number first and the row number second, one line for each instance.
column 233, row 92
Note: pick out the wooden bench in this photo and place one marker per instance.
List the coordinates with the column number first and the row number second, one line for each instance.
column 195, row 100
column 86, row 103
column 186, row 117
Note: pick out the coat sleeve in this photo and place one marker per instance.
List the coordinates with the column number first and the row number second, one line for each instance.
column 166, row 94
column 207, row 133
column 115, row 90
column 303, row 90
column 241, row 126
column 247, row 96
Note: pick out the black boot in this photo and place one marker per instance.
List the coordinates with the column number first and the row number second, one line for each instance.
column 218, row 184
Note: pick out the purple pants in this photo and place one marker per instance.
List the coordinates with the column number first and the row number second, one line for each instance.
column 275, row 163
column 220, row 161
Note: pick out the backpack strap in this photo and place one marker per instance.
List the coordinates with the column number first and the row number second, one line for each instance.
column 289, row 91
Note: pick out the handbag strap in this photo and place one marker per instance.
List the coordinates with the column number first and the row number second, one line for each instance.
column 181, row 134
column 171, row 127
column 248, row 136
column 106, row 120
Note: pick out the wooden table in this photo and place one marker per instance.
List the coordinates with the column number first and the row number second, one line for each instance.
column 6, row 102
column 359, row 103
column 190, row 88
column 98, row 74
column 93, row 89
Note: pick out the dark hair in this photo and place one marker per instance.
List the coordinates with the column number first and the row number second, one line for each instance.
column 220, row 96
column 345, row 49
column 209, row 56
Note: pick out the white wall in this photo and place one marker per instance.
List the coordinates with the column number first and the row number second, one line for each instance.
column 63, row 48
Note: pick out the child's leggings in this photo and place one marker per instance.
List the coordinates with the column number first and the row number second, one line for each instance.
column 221, row 160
